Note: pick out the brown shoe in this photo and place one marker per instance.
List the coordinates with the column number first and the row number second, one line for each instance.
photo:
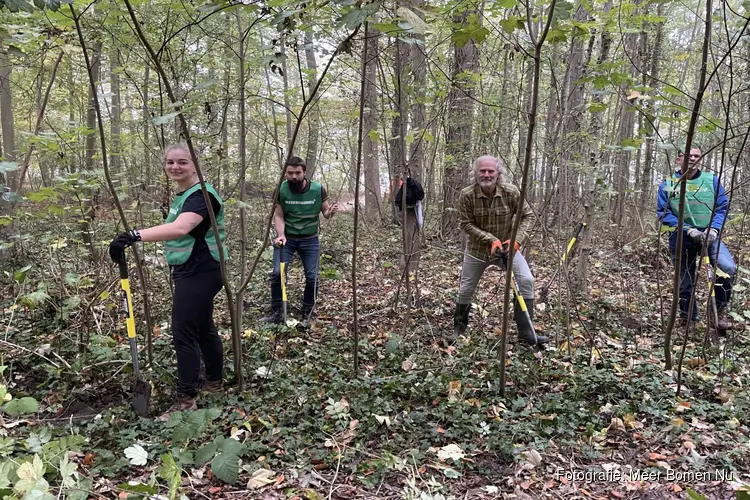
column 182, row 403
column 723, row 322
column 212, row 386
column 682, row 323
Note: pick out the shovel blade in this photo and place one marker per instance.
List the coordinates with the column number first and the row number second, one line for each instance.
column 141, row 397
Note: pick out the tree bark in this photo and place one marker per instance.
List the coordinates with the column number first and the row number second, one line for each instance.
column 6, row 110
column 417, row 108
column 460, row 118
column 370, row 146
column 313, row 118
column 88, row 194
column 115, row 154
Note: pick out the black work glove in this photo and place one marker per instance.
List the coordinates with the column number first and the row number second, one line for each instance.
column 121, row 242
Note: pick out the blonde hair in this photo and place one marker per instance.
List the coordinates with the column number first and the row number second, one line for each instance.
column 178, row 145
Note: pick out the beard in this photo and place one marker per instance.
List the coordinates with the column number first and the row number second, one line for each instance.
column 296, row 186
column 487, row 183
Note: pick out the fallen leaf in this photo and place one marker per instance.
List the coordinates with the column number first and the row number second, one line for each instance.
column 261, row 478
column 721, row 395
column 656, row 456
column 533, row 457
column 616, row 424
column 454, row 389
column 452, row 451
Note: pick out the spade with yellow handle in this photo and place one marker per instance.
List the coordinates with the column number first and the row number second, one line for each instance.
column 141, row 388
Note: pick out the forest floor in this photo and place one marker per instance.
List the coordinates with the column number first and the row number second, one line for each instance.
column 595, row 416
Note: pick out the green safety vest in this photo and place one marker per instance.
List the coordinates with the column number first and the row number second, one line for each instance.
column 301, row 210
column 700, row 195
column 178, row 251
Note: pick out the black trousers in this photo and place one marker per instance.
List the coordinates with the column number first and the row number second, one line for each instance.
column 193, row 331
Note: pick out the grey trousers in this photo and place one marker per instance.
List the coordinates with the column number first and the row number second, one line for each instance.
column 473, row 268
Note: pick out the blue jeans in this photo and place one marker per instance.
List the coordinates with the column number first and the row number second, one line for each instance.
column 719, row 255
column 308, row 249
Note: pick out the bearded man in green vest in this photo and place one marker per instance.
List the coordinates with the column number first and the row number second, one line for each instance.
column 297, row 220
column 704, row 196
column 192, row 253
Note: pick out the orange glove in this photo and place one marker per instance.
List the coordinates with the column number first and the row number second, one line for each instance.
column 506, row 245
column 496, row 247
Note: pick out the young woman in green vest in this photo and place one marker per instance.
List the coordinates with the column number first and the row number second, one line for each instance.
column 297, row 219
column 193, row 258
column 703, row 190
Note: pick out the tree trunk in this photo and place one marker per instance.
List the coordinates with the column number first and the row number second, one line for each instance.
column 460, row 118
column 313, row 117
column 625, row 131
column 115, row 154
column 574, row 115
column 6, row 110
column 86, row 193
column 146, row 125
column 370, row 146
column 418, row 121
column 648, row 128
column 287, row 103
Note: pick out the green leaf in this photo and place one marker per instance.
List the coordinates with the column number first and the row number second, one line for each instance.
column 451, row 473
column 30, row 476
column 8, row 166
column 16, row 5
column 205, row 454
column 373, row 135
column 631, row 142
column 597, row 107
column 80, row 493
column 511, row 24
column 68, row 472
column 226, row 466
column 171, row 473
column 693, row 495
column 356, row 15
column 474, row 32
column 229, row 445
column 139, row 488
column 706, row 128
column 507, row 4
column 21, row 406
column 164, row 119
column 20, row 275
column 37, row 440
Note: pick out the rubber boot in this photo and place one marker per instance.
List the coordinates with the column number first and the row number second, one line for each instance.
column 525, row 329
column 460, row 321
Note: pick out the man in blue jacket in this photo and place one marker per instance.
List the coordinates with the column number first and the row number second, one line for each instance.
column 703, row 190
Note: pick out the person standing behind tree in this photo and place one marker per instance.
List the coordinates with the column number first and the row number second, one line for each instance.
column 703, row 192
column 485, row 213
column 193, row 257
column 297, row 220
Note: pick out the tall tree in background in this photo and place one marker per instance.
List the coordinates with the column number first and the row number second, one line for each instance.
column 458, row 150
column 369, row 142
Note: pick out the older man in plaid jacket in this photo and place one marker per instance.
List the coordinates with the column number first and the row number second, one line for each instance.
column 485, row 213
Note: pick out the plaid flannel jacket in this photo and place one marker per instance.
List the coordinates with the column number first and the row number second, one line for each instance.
column 486, row 219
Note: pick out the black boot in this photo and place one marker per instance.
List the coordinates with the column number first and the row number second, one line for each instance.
column 274, row 317
column 525, row 328
column 460, row 320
